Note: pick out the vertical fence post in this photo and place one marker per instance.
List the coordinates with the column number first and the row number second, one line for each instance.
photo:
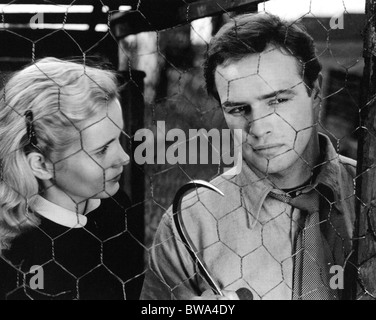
column 133, row 111
column 364, row 234
column 132, row 97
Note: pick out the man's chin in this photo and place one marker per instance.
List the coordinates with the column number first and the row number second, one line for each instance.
column 263, row 168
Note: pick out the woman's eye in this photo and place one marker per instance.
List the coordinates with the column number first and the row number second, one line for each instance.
column 103, row 151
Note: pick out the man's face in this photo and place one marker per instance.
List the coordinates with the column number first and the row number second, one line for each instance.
column 265, row 96
column 92, row 166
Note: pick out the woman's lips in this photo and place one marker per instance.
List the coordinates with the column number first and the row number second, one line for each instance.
column 116, row 178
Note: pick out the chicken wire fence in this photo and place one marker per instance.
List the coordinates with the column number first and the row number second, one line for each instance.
column 166, row 110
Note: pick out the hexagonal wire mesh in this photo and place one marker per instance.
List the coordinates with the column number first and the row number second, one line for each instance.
column 246, row 238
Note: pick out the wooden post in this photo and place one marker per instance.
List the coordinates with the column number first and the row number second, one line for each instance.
column 132, row 100
column 364, row 257
column 133, row 112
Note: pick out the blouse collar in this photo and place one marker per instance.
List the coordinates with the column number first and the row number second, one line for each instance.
column 60, row 215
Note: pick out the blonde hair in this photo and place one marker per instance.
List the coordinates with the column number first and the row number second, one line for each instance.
column 60, row 95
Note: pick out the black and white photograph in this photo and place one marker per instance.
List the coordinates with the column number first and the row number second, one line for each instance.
column 180, row 154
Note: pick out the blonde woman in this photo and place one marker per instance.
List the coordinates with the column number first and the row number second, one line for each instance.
column 60, row 125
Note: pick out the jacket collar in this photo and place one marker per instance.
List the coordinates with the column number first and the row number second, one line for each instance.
column 329, row 173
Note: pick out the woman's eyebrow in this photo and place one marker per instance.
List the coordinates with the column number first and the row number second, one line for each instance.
column 103, row 145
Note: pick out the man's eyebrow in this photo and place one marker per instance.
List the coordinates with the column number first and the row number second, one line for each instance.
column 276, row 93
column 231, row 104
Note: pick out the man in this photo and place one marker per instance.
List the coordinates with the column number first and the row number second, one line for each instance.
column 286, row 220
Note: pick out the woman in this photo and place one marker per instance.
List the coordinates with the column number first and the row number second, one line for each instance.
column 60, row 151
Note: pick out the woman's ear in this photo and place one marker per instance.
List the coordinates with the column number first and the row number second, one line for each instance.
column 40, row 166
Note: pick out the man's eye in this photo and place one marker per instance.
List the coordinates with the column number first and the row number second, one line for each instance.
column 278, row 101
column 241, row 110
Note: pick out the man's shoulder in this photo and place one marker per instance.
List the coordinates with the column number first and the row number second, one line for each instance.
column 345, row 164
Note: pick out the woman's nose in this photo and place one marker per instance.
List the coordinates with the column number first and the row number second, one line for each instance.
column 123, row 157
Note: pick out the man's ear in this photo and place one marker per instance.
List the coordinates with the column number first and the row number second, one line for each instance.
column 40, row 166
column 318, row 86
column 319, row 80
column 316, row 97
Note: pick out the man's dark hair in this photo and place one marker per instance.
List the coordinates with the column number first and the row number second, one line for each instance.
column 252, row 33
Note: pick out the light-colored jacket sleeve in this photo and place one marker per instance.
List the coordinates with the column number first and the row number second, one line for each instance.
column 171, row 273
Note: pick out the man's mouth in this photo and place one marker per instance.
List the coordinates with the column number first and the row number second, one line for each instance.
column 268, row 150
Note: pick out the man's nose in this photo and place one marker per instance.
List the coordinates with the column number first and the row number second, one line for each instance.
column 261, row 123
